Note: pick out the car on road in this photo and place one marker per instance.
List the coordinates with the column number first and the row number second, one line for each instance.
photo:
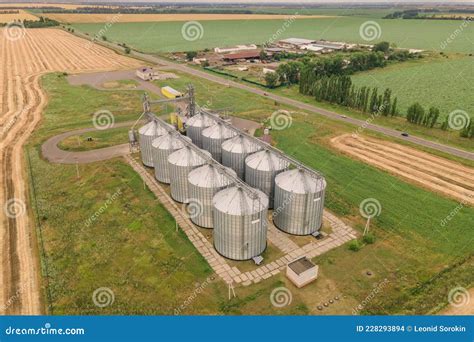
column 405, row 134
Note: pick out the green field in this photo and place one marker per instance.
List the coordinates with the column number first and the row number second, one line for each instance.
column 442, row 82
column 166, row 36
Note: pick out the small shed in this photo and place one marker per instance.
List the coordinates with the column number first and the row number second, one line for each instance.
column 145, row 73
column 302, row 271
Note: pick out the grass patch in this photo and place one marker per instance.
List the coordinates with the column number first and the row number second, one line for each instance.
column 100, row 139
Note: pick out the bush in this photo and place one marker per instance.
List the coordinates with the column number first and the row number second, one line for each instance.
column 355, row 246
column 190, row 55
column 368, row 238
column 127, row 50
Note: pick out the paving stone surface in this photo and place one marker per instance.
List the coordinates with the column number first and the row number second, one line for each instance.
column 341, row 233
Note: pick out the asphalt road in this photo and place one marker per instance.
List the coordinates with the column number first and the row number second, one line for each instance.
column 297, row 104
column 54, row 154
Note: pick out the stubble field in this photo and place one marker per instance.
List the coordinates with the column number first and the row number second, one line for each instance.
column 25, row 56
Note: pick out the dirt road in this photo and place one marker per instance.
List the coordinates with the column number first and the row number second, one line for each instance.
column 431, row 172
column 25, row 55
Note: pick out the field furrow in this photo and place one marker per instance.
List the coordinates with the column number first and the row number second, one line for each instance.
column 22, row 64
column 440, row 175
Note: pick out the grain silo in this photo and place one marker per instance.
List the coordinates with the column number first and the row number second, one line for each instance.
column 163, row 146
column 181, row 163
column 240, row 223
column 299, row 202
column 213, row 137
column 234, row 152
column 146, row 135
column 203, row 183
column 261, row 169
column 195, row 125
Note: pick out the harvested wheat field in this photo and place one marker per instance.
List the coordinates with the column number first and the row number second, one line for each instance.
column 431, row 172
column 25, row 55
column 7, row 17
column 138, row 18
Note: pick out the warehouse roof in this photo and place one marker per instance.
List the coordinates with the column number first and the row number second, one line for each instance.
column 243, row 55
column 296, row 41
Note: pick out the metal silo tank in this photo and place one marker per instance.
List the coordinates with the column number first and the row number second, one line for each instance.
column 234, row 152
column 195, row 125
column 163, row 146
column 181, row 163
column 261, row 169
column 203, row 183
column 299, row 202
column 146, row 135
column 240, row 223
column 213, row 137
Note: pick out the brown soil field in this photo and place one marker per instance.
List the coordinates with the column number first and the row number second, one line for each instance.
column 431, row 172
column 22, row 62
column 136, row 18
column 22, row 15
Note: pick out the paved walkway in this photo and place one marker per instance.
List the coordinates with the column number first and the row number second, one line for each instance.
column 341, row 233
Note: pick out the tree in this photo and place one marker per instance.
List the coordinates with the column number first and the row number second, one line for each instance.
column 127, row 50
column 190, row 55
column 393, row 110
column 271, row 79
column 263, row 55
column 104, row 38
column 382, row 47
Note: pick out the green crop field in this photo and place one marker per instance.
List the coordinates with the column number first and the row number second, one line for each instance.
column 166, row 36
column 446, row 83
